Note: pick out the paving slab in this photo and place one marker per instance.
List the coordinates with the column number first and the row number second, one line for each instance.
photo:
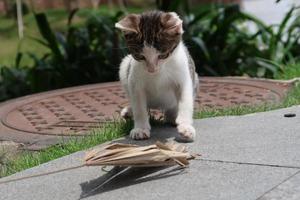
column 246, row 157
column 203, row 180
column 42, row 119
column 261, row 138
column 288, row 190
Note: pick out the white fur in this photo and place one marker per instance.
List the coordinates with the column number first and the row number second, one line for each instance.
column 170, row 89
column 151, row 61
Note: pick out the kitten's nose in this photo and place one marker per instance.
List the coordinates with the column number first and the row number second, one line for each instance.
column 152, row 67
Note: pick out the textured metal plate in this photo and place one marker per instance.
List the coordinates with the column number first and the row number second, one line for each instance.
column 77, row 110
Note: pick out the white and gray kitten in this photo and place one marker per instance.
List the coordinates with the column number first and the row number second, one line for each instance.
column 159, row 73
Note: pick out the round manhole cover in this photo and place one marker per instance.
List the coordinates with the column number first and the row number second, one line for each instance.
column 76, row 110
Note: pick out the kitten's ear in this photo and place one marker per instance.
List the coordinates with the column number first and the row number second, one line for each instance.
column 130, row 23
column 172, row 23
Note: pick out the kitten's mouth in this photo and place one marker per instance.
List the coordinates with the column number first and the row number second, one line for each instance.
column 152, row 70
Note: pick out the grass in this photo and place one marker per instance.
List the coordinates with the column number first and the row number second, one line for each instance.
column 9, row 36
column 28, row 159
column 290, row 71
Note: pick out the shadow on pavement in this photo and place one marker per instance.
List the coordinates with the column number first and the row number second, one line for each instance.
column 162, row 133
column 120, row 177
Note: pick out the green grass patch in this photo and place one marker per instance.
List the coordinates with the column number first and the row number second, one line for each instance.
column 289, row 71
column 9, row 36
column 30, row 159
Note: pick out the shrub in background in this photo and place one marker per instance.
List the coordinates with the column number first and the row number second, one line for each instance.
column 88, row 54
column 221, row 44
column 13, row 9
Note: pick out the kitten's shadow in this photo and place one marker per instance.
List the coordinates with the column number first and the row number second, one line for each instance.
column 162, row 133
column 120, row 177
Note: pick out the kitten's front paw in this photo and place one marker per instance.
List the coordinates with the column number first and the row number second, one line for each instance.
column 187, row 132
column 184, row 121
column 140, row 134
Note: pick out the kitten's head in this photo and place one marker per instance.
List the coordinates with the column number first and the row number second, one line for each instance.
column 152, row 36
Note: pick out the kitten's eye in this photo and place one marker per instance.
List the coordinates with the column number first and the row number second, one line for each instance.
column 138, row 57
column 163, row 56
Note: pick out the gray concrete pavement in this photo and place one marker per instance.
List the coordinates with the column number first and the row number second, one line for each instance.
column 290, row 189
column 250, row 157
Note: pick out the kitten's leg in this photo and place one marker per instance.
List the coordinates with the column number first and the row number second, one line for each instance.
column 142, row 127
column 126, row 113
column 184, row 118
column 125, row 67
column 170, row 116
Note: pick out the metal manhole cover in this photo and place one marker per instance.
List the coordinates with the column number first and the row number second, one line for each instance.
column 76, row 110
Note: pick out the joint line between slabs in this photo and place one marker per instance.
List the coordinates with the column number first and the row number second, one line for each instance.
column 273, row 188
column 245, row 163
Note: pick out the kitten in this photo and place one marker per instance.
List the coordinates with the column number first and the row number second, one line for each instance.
column 159, row 73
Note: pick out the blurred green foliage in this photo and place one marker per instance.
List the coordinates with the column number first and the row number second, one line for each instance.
column 217, row 36
column 85, row 54
column 221, row 43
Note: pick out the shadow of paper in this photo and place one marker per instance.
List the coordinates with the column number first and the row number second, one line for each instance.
column 120, row 177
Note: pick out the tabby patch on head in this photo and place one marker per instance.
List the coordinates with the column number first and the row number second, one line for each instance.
column 151, row 37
